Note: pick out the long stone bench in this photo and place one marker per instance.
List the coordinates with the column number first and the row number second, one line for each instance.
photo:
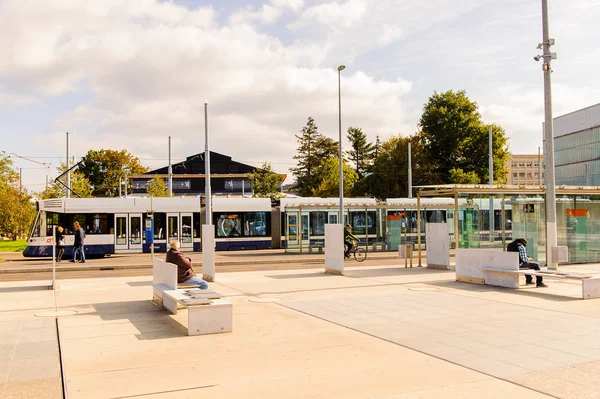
column 501, row 269
column 208, row 312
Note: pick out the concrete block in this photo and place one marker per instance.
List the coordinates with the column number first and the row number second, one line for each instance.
column 590, row 288
column 210, row 319
column 334, row 248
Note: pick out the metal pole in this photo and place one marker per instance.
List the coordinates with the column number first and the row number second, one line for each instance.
column 170, row 171
column 491, row 171
column 68, row 172
column 126, row 185
column 551, row 235
column 418, row 228
column 539, row 168
column 46, row 182
column 152, row 212
column 20, row 180
column 409, row 171
column 340, row 69
column 207, row 192
column 53, row 257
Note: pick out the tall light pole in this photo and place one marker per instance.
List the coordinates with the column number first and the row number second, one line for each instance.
column 170, row 171
column 340, row 69
column 547, row 56
column 68, row 191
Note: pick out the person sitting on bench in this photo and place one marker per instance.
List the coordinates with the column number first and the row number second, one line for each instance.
column 525, row 262
column 185, row 273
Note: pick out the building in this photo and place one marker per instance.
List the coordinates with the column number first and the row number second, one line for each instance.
column 577, row 147
column 227, row 177
column 526, row 170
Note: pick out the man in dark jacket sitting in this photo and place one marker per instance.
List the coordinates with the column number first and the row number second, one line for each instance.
column 185, row 273
column 525, row 262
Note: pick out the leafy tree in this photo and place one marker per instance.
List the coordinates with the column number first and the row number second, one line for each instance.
column 16, row 208
column 265, row 182
column 104, row 168
column 458, row 176
column 313, row 147
column 390, row 169
column 329, row 185
column 361, row 152
column 157, row 187
column 454, row 137
column 79, row 185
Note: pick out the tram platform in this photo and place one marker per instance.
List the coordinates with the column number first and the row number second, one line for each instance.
column 376, row 332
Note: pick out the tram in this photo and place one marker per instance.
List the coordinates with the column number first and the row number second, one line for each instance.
column 115, row 225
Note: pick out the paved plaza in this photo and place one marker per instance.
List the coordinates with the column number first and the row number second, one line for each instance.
column 376, row 332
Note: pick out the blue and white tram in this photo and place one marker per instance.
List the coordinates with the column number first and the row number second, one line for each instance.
column 116, row 225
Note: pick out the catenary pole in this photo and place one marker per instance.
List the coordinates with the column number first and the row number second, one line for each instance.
column 170, row 171
column 551, row 239
column 409, row 171
column 68, row 193
column 340, row 69
column 207, row 168
column 491, row 172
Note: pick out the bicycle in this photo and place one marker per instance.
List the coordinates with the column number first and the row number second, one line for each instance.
column 360, row 254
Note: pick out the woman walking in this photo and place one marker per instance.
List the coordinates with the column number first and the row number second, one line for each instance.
column 60, row 243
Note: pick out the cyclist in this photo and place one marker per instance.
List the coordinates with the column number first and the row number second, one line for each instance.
column 348, row 239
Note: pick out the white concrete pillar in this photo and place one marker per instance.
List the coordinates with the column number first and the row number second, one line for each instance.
column 208, row 252
column 334, row 249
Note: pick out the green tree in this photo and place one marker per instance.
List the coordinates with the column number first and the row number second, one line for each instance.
column 329, row 182
column 454, row 137
column 361, row 152
column 265, row 182
column 390, row 169
column 458, row 176
column 79, row 184
column 313, row 147
column 105, row 168
column 157, row 187
column 16, row 207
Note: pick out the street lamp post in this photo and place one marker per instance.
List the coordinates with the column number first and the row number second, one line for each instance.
column 340, row 69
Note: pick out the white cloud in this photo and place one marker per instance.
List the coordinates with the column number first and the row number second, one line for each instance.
column 150, row 67
column 142, row 70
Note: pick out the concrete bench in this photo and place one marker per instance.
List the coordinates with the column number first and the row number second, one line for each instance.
column 317, row 246
column 208, row 313
column 379, row 245
column 501, row 269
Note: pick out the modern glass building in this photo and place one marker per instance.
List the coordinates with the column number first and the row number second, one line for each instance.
column 577, row 147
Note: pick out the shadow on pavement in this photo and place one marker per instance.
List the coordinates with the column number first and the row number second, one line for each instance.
column 529, row 292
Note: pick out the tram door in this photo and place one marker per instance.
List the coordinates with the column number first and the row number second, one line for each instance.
column 121, row 233
column 128, row 232
column 305, row 229
column 173, row 232
column 292, row 225
column 135, row 231
column 186, row 240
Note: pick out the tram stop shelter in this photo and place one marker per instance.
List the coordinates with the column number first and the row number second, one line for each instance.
column 491, row 216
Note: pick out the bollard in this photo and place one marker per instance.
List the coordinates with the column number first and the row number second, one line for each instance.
column 408, row 250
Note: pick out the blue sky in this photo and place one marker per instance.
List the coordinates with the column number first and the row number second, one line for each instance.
column 129, row 74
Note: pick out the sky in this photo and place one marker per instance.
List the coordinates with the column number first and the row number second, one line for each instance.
column 120, row 74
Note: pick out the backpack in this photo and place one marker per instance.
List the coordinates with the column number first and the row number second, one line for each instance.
column 513, row 246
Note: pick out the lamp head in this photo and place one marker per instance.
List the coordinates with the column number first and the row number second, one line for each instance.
column 341, row 67
column 537, row 57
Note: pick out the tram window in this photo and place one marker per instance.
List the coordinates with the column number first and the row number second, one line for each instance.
column 51, row 221
column 186, row 229
column 228, row 224
column 317, row 223
column 121, row 230
column 257, row 224
column 361, row 220
column 98, row 224
column 160, row 225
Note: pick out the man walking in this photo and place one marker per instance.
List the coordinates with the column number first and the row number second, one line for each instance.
column 78, row 244
column 525, row 262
